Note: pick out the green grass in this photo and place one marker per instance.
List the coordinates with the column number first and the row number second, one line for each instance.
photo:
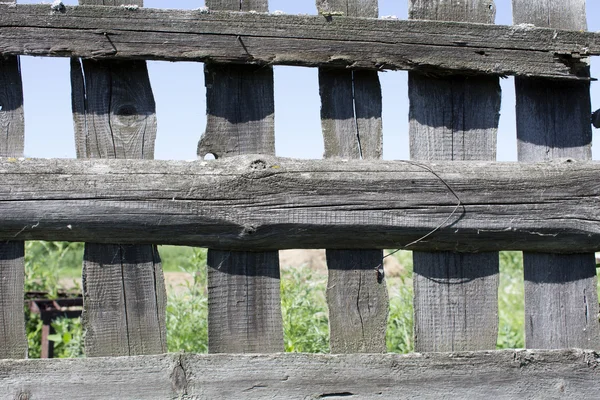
column 304, row 307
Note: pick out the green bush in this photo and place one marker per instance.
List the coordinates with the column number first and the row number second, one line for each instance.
column 511, row 301
column 399, row 335
column 187, row 308
column 304, row 308
column 45, row 262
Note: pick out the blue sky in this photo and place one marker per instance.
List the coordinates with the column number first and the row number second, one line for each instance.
column 180, row 98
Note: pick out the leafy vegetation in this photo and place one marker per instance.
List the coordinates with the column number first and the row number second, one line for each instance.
column 304, row 308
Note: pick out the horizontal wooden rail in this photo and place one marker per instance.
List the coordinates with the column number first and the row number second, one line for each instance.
column 509, row 374
column 268, row 203
column 198, row 35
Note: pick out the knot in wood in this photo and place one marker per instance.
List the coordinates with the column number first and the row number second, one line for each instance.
column 22, row 395
column 258, row 164
column 248, row 230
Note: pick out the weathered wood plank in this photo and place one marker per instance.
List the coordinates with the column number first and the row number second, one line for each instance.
column 244, row 304
column 13, row 342
column 455, row 118
column 351, row 121
column 267, row 203
column 235, row 124
column 244, row 308
column 553, row 120
column 124, row 290
column 357, row 299
column 125, row 33
column 572, row 374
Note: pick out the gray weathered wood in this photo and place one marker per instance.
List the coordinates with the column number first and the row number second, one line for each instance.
column 509, row 374
column 455, row 118
column 194, row 35
column 124, row 290
column 267, row 203
column 357, row 299
column 455, row 301
column 244, row 304
column 351, row 113
column 240, row 111
column 13, row 342
column 238, row 5
column 553, row 120
column 351, row 121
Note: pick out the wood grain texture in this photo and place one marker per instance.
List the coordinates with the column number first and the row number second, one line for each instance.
column 553, row 120
column 12, row 120
column 351, row 122
column 502, row 375
column 268, row 203
column 124, row 311
column 357, row 299
column 351, row 113
column 240, row 111
column 455, row 118
column 455, row 301
column 358, row 43
column 13, row 342
column 244, row 304
column 244, row 307
column 238, row 5
column 124, row 290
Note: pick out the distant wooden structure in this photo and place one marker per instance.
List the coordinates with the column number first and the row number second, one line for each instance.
column 451, row 203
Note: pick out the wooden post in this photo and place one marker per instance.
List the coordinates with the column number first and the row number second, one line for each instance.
column 351, row 120
column 454, row 118
column 244, row 306
column 13, row 341
column 123, row 286
column 553, row 120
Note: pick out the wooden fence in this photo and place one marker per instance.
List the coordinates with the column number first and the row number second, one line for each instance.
column 451, row 203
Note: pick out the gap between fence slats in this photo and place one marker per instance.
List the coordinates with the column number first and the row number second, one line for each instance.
column 123, row 286
column 454, row 118
column 553, row 120
column 351, row 121
column 244, row 306
column 13, row 342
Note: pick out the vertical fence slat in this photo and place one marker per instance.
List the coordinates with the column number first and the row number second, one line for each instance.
column 13, row 342
column 351, row 121
column 553, row 120
column 244, row 301
column 455, row 118
column 124, row 289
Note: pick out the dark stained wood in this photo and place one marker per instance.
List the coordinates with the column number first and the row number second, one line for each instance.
column 523, row 374
column 351, row 121
column 553, row 120
column 258, row 38
column 456, row 118
column 244, row 305
column 13, row 342
column 124, row 289
column 268, row 203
